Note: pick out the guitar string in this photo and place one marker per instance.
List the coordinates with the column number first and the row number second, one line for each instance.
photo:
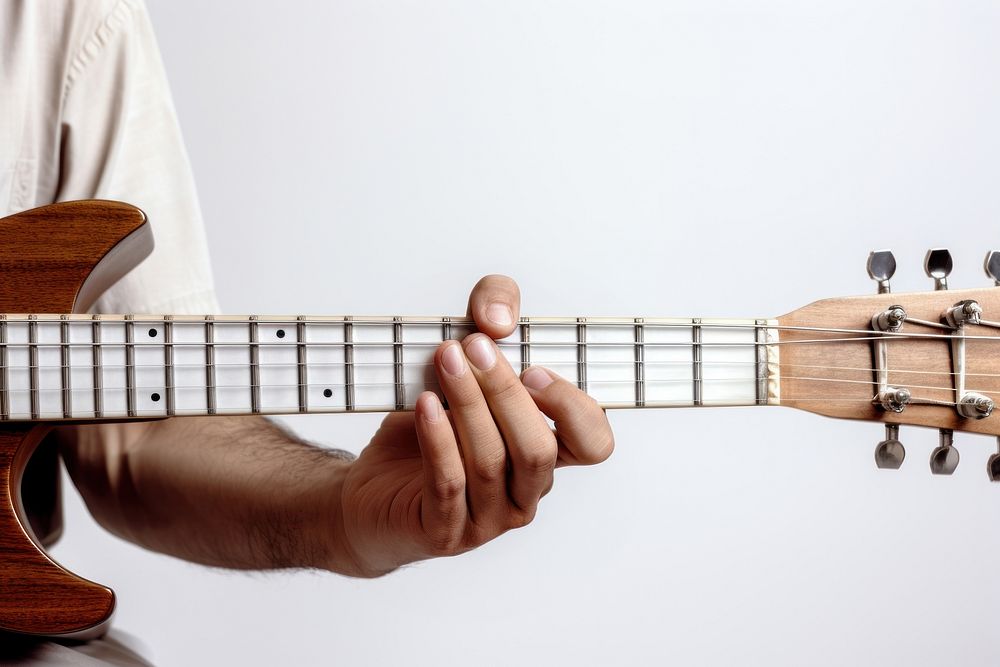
column 887, row 337
column 339, row 365
column 388, row 384
column 568, row 323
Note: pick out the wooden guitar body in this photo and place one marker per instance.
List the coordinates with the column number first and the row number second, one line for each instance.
column 54, row 259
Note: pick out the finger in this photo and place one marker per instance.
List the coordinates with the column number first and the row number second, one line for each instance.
column 443, row 510
column 479, row 439
column 495, row 305
column 582, row 427
column 530, row 443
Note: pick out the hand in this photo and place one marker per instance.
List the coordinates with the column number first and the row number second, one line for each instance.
column 436, row 483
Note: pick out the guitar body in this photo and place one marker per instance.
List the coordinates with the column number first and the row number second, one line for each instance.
column 54, row 259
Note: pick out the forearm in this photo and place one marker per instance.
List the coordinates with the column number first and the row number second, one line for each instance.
column 235, row 492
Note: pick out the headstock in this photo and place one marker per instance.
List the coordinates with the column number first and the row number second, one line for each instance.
column 923, row 359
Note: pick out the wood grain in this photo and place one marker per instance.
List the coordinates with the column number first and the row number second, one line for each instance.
column 48, row 257
column 836, row 379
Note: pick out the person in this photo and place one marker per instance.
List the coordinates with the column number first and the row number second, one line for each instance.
column 87, row 113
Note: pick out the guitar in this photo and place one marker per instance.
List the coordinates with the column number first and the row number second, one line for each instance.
column 923, row 359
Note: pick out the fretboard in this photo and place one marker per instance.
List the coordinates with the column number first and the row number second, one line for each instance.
column 56, row 367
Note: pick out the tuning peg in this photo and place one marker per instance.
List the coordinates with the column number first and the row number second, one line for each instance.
column 944, row 458
column 889, row 453
column 881, row 267
column 937, row 265
column 992, row 266
column 993, row 465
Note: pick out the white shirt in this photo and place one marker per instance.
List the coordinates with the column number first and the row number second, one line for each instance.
column 86, row 112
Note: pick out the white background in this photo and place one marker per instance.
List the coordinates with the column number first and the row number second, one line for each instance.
column 675, row 158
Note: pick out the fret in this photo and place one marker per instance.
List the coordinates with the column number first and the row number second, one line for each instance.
column 170, row 386
column 95, row 333
column 525, row 344
column 78, row 343
column 581, row 353
column 397, row 362
column 18, row 369
column 33, row 364
column 610, row 362
column 254, row 366
column 729, row 359
column 375, row 369
column 130, row 365
column 349, row 363
column 554, row 346
column 113, row 371
column 67, row 394
column 47, row 367
column 696, row 368
column 327, row 373
column 149, row 377
column 420, row 342
column 210, row 393
column 302, row 363
column 4, row 381
column 281, row 375
column 189, row 373
column 668, row 374
column 760, row 352
column 640, row 364
column 234, row 355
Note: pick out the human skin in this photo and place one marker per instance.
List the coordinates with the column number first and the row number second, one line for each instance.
column 241, row 492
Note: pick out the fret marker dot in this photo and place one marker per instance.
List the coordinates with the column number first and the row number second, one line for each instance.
column 155, row 397
column 328, row 393
column 152, row 333
column 281, row 333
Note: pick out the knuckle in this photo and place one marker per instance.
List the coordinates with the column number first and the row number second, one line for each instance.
column 449, row 489
column 490, row 467
column 506, row 388
column 521, row 517
column 540, row 459
column 446, row 542
column 464, row 397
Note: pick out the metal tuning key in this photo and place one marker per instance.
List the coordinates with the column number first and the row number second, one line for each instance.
column 993, row 465
column 881, row 267
column 938, row 265
column 944, row 458
column 992, row 266
column 889, row 453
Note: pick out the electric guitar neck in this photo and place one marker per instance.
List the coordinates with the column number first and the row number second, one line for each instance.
column 927, row 359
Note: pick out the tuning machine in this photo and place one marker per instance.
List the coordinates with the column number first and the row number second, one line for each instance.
column 993, row 465
column 944, row 458
column 938, row 265
column 992, row 266
column 881, row 267
column 889, row 453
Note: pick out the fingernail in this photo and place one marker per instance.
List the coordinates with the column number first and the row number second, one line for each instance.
column 430, row 406
column 536, row 378
column 500, row 314
column 452, row 360
column 481, row 352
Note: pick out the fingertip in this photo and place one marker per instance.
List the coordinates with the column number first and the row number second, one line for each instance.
column 428, row 407
column 536, row 378
column 495, row 305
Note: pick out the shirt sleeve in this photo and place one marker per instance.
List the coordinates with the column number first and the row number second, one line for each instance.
column 120, row 140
